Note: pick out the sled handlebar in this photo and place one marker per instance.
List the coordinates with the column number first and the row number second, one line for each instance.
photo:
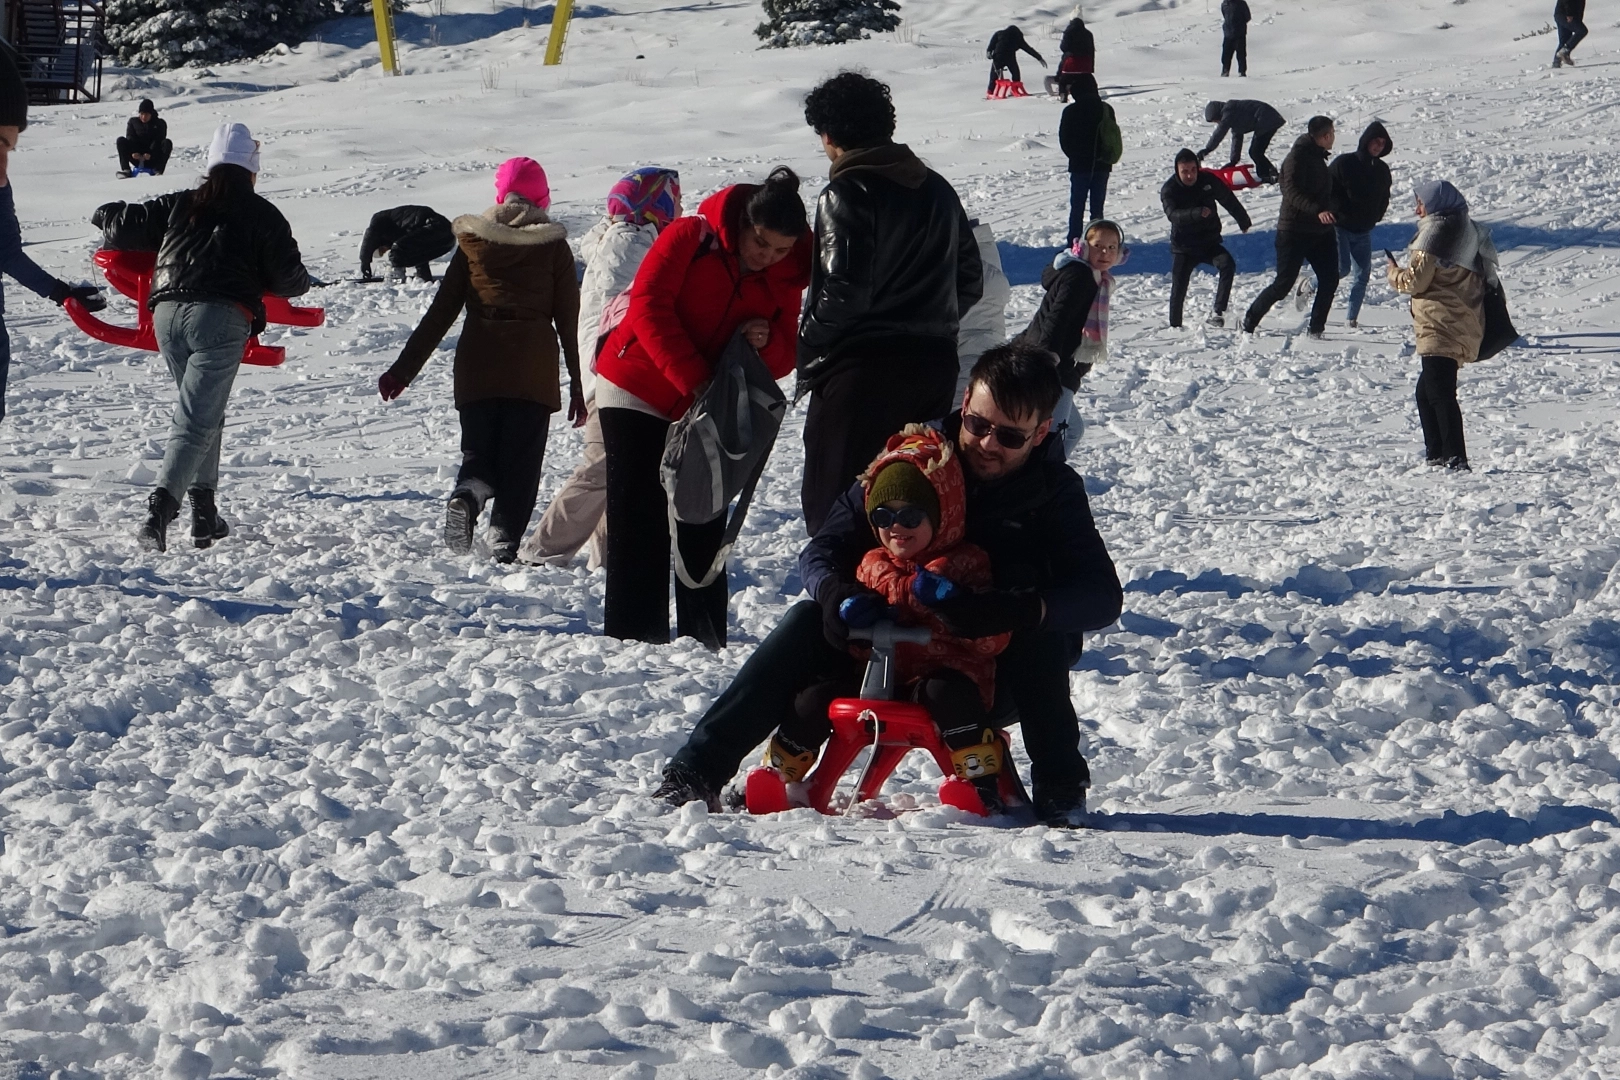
column 886, row 635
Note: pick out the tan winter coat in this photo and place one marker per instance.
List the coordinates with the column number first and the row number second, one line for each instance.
column 514, row 274
column 1448, row 306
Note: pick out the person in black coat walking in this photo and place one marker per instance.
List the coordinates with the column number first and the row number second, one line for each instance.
column 1234, row 36
column 1304, row 228
column 1089, row 136
column 1079, row 55
column 1003, row 51
column 1241, row 118
column 1361, row 186
column 1568, row 16
column 1190, row 199
column 412, row 236
column 145, row 143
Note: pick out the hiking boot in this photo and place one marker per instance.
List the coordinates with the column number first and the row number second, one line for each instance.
column 424, row 272
column 1065, row 812
column 1458, row 464
column 1351, row 323
column 682, row 785
column 1216, row 320
column 460, row 513
column 1315, row 335
column 206, row 524
column 161, row 510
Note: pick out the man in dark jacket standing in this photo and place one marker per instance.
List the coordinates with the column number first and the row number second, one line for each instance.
column 1234, row 36
column 1240, row 118
column 1190, row 198
column 1361, row 186
column 896, row 265
column 1568, row 16
column 145, row 144
column 1089, row 136
column 1054, row 581
column 413, row 236
column 1003, row 51
column 1304, row 228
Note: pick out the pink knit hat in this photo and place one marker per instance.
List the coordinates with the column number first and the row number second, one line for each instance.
column 525, row 177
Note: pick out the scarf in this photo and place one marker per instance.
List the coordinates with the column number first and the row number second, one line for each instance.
column 1094, row 335
column 645, row 196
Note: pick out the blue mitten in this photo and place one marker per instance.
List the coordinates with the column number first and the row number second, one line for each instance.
column 930, row 588
column 862, row 610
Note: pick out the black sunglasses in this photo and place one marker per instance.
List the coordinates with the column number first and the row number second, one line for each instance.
column 980, row 428
column 909, row 517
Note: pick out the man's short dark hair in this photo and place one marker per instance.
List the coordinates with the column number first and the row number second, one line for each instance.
column 853, row 110
column 1318, row 124
column 1022, row 379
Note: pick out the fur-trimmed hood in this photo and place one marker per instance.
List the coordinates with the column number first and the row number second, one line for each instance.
column 515, row 221
column 932, row 454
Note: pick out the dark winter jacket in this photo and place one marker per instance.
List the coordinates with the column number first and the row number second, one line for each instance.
column 1361, row 183
column 513, row 274
column 1569, row 10
column 1234, row 18
column 896, row 265
column 1070, row 291
column 144, row 137
column 1080, row 45
column 15, row 261
column 1240, row 118
column 235, row 253
column 1005, row 44
column 690, row 294
column 1192, row 231
column 1087, row 133
column 1307, row 189
column 1035, row 525
column 388, row 226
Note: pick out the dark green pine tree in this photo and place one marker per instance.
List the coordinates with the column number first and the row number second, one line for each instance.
column 825, row 22
column 164, row 34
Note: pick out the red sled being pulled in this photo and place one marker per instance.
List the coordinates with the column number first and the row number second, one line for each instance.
column 130, row 272
column 890, row 729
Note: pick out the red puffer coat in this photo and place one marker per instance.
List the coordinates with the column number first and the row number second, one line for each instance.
column 690, row 295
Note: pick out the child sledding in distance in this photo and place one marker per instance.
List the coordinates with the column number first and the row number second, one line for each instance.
column 915, row 504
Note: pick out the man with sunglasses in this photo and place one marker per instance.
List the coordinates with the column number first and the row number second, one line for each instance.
column 1054, row 580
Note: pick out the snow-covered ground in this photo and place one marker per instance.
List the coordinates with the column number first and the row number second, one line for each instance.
column 325, row 802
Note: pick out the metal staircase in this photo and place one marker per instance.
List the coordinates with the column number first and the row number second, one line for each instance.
column 59, row 45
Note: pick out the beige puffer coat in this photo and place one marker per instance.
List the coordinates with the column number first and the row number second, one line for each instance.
column 1448, row 298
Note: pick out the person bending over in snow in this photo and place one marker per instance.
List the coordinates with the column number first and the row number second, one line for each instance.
column 514, row 275
column 1072, row 321
column 1003, row 53
column 145, row 144
column 1241, row 118
column 640, row 206
column 411, row 236
column 915, row 505
column 1191, row 200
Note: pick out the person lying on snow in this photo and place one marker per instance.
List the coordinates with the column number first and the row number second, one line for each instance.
column 916, row 505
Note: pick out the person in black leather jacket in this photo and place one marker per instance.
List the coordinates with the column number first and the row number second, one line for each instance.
column 896, row 265
column 220, row 247
column 412, row 236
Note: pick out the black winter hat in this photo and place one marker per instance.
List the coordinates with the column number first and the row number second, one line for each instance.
column 13, row 94
column 1185, row 154
column 147, row 106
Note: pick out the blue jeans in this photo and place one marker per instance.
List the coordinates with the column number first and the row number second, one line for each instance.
column 5, row 363
column 1356, row 247
column 202, row 342
column 1094, row 184
column 1066, row 421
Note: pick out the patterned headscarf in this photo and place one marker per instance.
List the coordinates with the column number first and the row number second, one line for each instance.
column 647, row 195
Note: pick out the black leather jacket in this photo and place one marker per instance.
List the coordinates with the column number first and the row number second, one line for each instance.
column 235, row 253
column 896, row 265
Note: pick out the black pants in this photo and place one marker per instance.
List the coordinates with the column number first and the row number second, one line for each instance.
column 1032, row 678
column 1439, row 412
column 638, row 552
column 503, row 445
column 159, row 150
column 1181, row 268
column 1294, row 250
column 853, row 413
column 1010, row 63
column 1258, row 143
column 1238, row 45
column 417, row 248
column 1570, row 33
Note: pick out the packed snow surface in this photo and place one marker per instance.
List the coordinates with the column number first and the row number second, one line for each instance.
column 325, row 802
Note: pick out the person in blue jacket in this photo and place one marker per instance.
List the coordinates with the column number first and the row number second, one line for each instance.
column 13, row 260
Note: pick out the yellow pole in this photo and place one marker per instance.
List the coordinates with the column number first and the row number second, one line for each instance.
column 559, row 31
column 383, row 14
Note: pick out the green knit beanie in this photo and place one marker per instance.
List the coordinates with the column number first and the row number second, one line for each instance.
column 904, row 482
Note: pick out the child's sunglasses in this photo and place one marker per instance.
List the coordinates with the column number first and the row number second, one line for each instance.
column 980, row 428
column 908, row 517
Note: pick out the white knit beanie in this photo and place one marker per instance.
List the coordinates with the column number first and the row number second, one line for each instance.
column 234, row 145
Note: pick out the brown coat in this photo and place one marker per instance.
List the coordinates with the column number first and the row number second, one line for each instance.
column 514, row 275
column 1448, row 306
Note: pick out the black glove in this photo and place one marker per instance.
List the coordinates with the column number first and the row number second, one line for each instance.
column 88, row 295
column 833, row 595
column 986, row 614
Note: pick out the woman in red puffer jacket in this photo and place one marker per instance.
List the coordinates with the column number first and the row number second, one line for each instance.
column 740, row 264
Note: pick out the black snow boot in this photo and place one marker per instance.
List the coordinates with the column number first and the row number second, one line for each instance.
column 460, row 515
column 206, row 524
column 682, row 785
column 161, row 510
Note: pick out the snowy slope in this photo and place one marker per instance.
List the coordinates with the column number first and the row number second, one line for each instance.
column 323, row 802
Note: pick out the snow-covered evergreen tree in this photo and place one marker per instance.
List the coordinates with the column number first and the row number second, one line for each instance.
column 169, row 33
column 825, row 22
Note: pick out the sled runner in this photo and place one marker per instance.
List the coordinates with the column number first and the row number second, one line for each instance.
column 1007, row 88
column 1238, row 177
column 130, row 272
column 890, row 729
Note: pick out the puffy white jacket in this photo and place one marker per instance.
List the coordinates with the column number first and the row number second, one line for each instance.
column 612, row 252
column 984, row 325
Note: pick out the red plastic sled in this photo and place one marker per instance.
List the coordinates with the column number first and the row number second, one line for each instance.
column 1237, row 177
column 130, row 272
column 1007, row 88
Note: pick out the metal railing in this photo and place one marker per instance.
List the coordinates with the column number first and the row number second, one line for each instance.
column 59, row 44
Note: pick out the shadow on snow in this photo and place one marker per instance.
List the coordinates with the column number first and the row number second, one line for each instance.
column 1449, row 828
